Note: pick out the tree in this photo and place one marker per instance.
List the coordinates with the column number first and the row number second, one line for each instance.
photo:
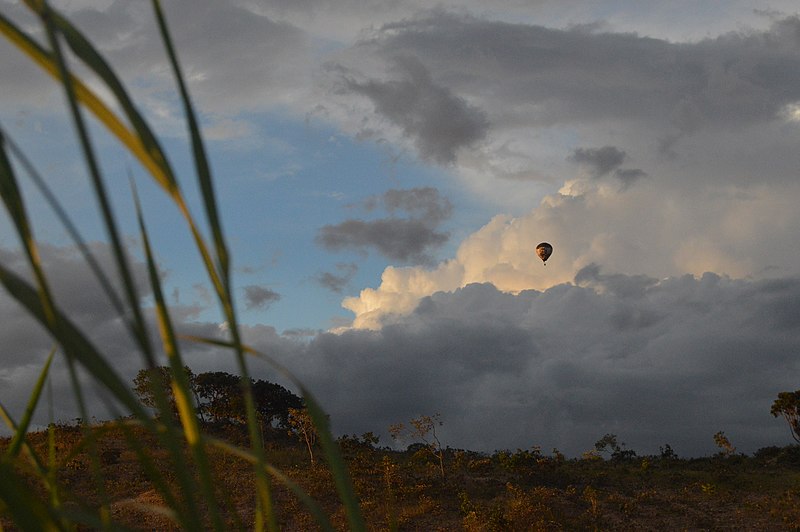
column 144, row 386
column 273, row 402
column 221, row 397
column 422, row 429
column 608, row 444
column 726, row 447
column 788, row 405
column 302, row 426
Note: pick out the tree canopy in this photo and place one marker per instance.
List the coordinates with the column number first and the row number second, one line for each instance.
column 788, row 405
column 219, row 396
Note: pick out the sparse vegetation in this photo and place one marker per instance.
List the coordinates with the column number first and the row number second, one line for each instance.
column 400, row 490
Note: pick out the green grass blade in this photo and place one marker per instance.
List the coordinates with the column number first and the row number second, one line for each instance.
column 180, row 382
column 22, row 429
column 138, row 323
column 74, row 343
column 129, row 139
column 201, row 160
column 41, row 470
column 24, row 506
column 12, row 199
column 66, row 221
column 221, row 276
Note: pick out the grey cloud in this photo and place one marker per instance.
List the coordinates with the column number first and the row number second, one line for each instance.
column 427, row 201
column 404, row 239
column 439, row 121
column 525, row 74
column 655, row 362
column 336, row 282
column 397, row 239
column 601, row 161
column 259, row 297
column 629, row 176
column 232, row 55
column 618, row 284
column 80, row 297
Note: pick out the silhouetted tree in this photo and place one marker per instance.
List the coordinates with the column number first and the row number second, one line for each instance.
column 788, row 405
column 608, row 444
column 273, row 402
column 221, row 397
column 143, row 386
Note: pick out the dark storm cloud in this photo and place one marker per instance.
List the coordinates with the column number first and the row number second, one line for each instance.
column 404, row 239
column 534, row 74
column 439, row 121
column 336, row 282
column 259, row 297
column 655, row 362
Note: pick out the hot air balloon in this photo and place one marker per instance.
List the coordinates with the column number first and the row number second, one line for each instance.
column 544, row 250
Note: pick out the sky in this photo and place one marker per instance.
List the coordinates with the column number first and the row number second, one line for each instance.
column 385, row 170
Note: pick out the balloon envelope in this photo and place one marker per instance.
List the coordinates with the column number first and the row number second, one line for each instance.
column 544, row 250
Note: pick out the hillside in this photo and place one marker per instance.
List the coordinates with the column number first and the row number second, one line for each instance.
column 522, row 490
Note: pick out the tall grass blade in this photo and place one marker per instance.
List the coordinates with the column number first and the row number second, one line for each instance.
column 65, row 220
column 22, row 429
column 5, row 415
column 201, row 160
column 137, row 324
column 180, row 382
column 150, row 156
column 223, row 283
column 24, row 506
column 12, row 199
column 72, row 340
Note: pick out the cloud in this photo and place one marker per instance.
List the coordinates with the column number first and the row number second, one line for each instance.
column 629, row 176
column 722, row 230
column 432, row 207
column 268, row 69
column 80, row 297
column 259, row 297
column 440, row 122
column 337, row 282
column 653, row 361
column 407, row 239
column 736, row 78
column 397, row 239
column 718, row 105
column 600, row 161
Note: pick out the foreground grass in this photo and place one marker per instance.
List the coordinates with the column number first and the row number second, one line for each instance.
column 523, row 490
